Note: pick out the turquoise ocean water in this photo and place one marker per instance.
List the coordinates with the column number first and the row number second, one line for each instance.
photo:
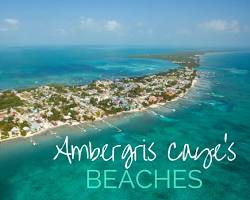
column 33, row 66
column 218, row 103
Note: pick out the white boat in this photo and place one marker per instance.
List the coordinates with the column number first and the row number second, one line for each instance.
column 162, row 116
column 33, row 142
column 52, row 133
column 57, row 136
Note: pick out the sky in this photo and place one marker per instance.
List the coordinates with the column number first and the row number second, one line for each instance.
column 201, row 23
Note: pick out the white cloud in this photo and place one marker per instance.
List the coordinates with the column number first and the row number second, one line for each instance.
column 112, row 25
column 9, row 24
column 93, row 25
column 89, row 24
column 221, row 25
column 11, row 21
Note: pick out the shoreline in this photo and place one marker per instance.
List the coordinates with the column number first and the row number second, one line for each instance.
column 186, row 61
column 40, row 132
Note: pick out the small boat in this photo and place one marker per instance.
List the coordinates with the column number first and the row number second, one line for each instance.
column 52, row 133
column 83, row 130
column 33, row 142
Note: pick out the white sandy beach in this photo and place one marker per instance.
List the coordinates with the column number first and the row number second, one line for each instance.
column 194, row 82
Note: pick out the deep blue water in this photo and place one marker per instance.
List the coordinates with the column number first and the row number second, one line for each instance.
column 218, row 103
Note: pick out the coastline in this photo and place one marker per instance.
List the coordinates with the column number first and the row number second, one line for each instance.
column 40, row 132
column 185, row 60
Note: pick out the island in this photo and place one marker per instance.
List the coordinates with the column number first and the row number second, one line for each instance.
column 27, row 112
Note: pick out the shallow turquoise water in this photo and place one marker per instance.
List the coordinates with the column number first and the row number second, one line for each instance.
column 218, row 103
column 32, row 66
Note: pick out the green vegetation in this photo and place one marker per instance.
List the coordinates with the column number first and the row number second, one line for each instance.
column 88, row 117
column 84, row 94
column 55, row 116
column 59, row 88
column 107, row 106
column 57, row 99
column 135, row 91
column 186, row 59
column 9, row 100
column 92, row 86
column 93, row 101
column 8, row 123
column 21, row 126
column 71, row 104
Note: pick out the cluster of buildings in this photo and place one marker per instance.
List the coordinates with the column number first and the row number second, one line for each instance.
column 55, row 105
